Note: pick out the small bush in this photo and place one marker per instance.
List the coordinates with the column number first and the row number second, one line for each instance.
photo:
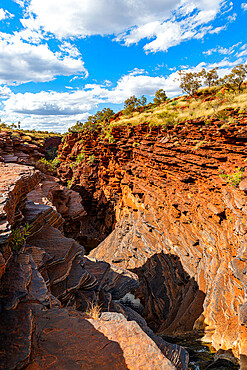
column 91, row 159
column 234, row 178
column 199, row 144
column 69, row 183
column 46, row 165
column 80, row 157
column 72, row 165
column 93, row 310
column 18, row 237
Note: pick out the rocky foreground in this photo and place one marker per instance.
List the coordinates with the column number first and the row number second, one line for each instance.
column 172, row 201
column 60, row 309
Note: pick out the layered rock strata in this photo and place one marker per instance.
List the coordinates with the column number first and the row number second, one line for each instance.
column 14, row 149
column 179, row 200
column 19, row 147
column 47, row 280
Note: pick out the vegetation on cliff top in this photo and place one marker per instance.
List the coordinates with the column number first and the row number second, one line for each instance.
column 217, row 104
column 207, row 96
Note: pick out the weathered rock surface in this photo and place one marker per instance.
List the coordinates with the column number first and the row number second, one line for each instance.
column 16, row 182
column 66, row 202
column 178, row 223
column 50, row 271
column 25, row 148
column 67, row 339
column 14, row 149
column 21, row 288
column 15, row 343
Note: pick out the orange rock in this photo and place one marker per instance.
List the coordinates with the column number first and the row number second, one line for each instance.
column 177, row 222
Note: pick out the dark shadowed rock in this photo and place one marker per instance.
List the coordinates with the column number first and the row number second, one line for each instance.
column 67, row 339
column 15, row 338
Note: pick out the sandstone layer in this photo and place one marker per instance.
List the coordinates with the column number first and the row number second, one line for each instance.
column 46, row 285
column 178, row 219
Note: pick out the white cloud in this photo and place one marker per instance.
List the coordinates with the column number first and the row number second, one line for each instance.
column 221, row 50
column 58, row 111
column 243, row 51
column 69, row 49
column 5, row 92
column 224, row 65
column 232, row 18
column 5, row 14
column 244, row 6
column 218, row 29
column 172, row 32
column 169, row 22
column 20, row 2
column 2, row 14
column 22, row 61
column 90, row 17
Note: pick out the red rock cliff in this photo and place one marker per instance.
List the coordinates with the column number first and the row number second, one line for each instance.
column 175, row 201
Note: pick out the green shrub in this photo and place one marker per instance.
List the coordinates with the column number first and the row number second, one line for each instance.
column 234, row 178
column 18, row 237
column 91, row 159
column 80, row 157
column 69, row 183
column 199, row 144
column 72, row 165
column 109, row 137
column 48, row 165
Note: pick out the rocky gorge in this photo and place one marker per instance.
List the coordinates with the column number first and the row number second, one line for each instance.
column 150, row 227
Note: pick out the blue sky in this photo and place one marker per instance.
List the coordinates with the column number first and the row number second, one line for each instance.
column 61, row 60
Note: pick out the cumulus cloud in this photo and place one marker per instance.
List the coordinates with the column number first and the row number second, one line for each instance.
column 5, row 92
column 244, row 6
column 168, row 22
column 58, row 111
column 23, row 61
column 172, row 32
column 90, row 17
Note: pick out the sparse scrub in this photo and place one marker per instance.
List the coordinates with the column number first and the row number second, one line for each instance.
column 69, row 183
column 235, row 79
column 234, row 178
column 199, row 144
column 91, row 159
column 48, row 165
column 80, row 157
column 18, row 237
column 132, row 103
column 93, row 310
column 190, row 82
column 211, row 77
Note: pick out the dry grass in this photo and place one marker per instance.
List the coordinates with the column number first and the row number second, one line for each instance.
column 93, row 310
column 182, row 109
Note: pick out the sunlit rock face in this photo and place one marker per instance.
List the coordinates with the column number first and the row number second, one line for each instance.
column 177, row 201
column 46, row 285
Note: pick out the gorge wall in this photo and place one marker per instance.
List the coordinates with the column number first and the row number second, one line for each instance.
column 60, row 309
column 172, row 203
